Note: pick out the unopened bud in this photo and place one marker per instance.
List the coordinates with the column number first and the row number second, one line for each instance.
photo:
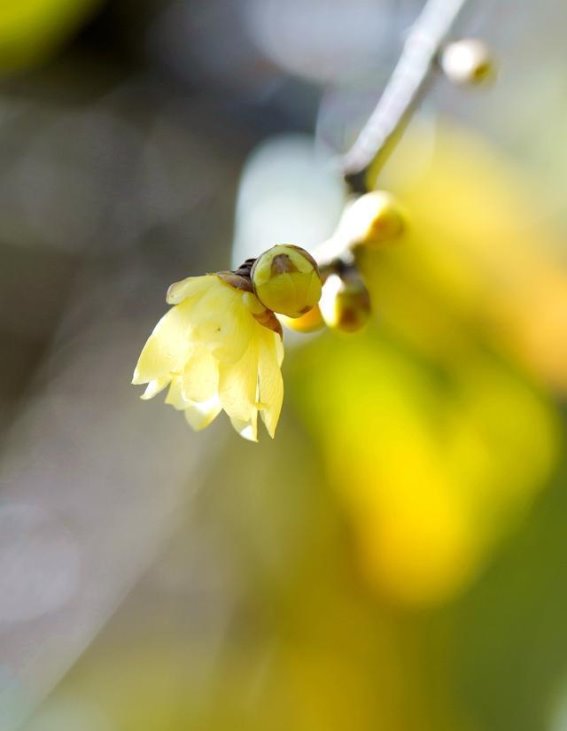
column 467, row 61
column 286, row 280
column 345, row 304
column 374, row 219
column 307, row 323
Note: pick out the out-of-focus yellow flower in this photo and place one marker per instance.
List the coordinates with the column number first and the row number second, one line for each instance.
column 440, row 432
column 487, row 261
column 215, row 349
column 432, row 465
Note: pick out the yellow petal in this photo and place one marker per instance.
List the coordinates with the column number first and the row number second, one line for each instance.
column 154, row 387
column 247, row 429
column 189, row 287
column 279, row 346
column 200, row 415
column 222, row 320
column 238, row 384
column 167, row 347
column 175, row 395
column 252, row 303
column 270, row 381
column 200, row 377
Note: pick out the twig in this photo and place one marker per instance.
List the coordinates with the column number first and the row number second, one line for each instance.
column 403, row 91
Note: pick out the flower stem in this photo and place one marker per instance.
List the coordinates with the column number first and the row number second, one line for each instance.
column 403, row 91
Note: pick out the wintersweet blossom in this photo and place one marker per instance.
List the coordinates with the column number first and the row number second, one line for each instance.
column 217, row 348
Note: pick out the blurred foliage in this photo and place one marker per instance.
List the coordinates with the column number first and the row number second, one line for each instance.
column 510, row 653
column 374, row 566
column 432, row 428
column 431, row 462
column 480, row 257
column 31, row 30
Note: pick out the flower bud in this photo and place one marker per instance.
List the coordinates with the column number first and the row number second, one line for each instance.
column 345, row 304
column 307, row 323
column 467, row 61
column 286, row 280
column 374, row 219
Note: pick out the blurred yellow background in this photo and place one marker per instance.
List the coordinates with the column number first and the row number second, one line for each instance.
column 397, row 557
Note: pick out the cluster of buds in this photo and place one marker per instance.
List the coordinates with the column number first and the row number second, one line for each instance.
column 219, row 347
column 371, row 221
column 305, row 295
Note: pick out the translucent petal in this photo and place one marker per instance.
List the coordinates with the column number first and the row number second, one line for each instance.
column 167, row 347
column 189, row 287
column 154, row 387
column 279, row 348
column 238, row 384
column 247, row 429
column 270, row 393
column 214, row 355
column 200, row 415
column 175, row 395
column 200, row 377
column 222, row 320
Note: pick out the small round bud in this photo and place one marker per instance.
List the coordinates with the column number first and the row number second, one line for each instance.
column 286, row 280
column 307, row 323
column 373, row 219
column 345, row 304
column 467, row 61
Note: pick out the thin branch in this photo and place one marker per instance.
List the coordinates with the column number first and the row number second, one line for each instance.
column 404, row 89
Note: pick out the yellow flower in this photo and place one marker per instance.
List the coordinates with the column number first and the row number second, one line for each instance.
column 213, row 352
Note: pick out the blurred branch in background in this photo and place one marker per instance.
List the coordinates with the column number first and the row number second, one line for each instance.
column 404, row 89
